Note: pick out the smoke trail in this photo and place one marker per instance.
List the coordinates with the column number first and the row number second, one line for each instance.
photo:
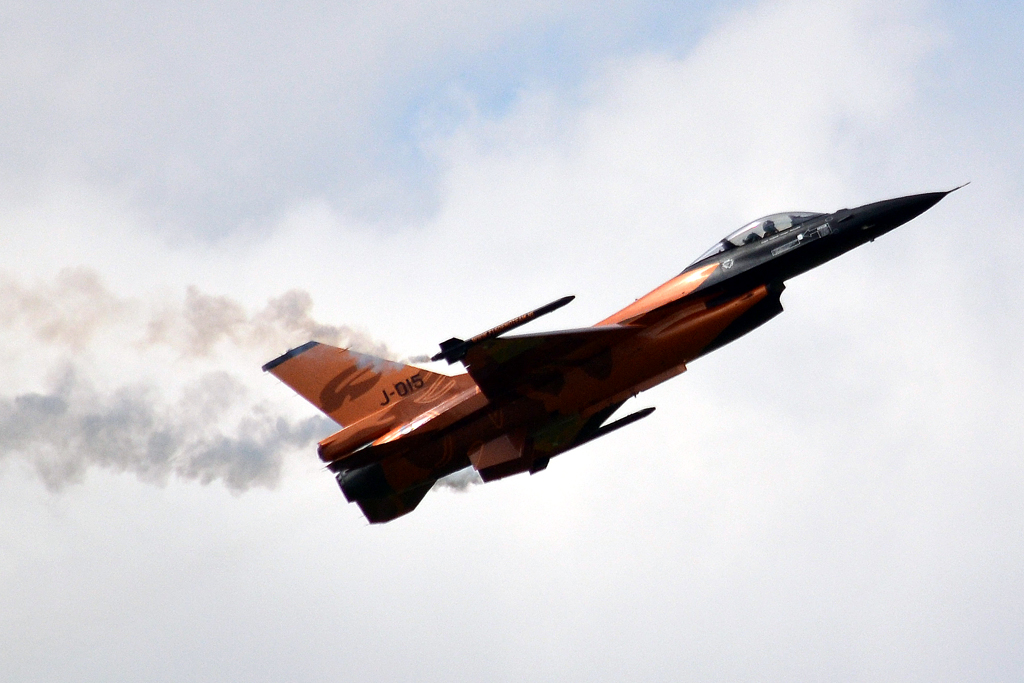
column 203, row 321
column 75, row 307
column 215, row 431
column 67, row 312
column 459, row 481
column 134, row 429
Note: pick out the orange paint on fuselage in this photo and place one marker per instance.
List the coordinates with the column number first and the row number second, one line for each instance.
column 673, row 290
column 639, row 362
column 650, row 353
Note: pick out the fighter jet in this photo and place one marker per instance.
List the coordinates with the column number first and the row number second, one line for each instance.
column 527, row 398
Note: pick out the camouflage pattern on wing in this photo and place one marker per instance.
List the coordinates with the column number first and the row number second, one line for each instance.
column 538, row 362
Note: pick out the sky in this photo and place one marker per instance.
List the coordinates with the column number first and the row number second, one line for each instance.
column 188, row 190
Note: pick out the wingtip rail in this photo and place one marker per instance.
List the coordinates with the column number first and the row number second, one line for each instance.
column 455, row 349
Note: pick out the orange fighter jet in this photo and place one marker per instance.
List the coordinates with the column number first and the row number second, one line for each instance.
column 527, row 398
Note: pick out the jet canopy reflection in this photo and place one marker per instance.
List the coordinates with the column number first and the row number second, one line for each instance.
column 760, row 229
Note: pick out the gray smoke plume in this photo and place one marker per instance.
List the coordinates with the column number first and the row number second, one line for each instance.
column 133, row 429
column 213, row 432
column 67, row 311
column 459, row 481
column 73, row 308
column 203, row 321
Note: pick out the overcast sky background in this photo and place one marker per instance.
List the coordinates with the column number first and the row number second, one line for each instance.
column 188, row 190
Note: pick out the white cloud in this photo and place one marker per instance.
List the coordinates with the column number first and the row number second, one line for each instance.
column 836, row 492
column 210, row 117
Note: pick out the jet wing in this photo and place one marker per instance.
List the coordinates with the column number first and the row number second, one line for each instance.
column 503, row 365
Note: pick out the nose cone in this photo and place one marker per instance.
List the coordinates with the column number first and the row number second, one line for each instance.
column 852, row 228
column 881, row 217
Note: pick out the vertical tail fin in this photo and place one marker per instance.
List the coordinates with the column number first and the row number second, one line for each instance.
column 349, row 386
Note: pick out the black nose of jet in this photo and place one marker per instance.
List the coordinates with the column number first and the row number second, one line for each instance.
column 881, row 217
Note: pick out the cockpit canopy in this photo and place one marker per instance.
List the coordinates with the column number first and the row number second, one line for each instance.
column 760, row 229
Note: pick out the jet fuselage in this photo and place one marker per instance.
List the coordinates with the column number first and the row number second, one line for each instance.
column 528, row 398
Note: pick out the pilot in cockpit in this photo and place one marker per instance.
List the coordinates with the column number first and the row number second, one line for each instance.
column 770, row 229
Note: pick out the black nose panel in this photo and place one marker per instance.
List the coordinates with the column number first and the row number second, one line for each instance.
column 892, row 213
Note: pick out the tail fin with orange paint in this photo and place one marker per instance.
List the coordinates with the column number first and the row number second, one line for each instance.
column 366, row 395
